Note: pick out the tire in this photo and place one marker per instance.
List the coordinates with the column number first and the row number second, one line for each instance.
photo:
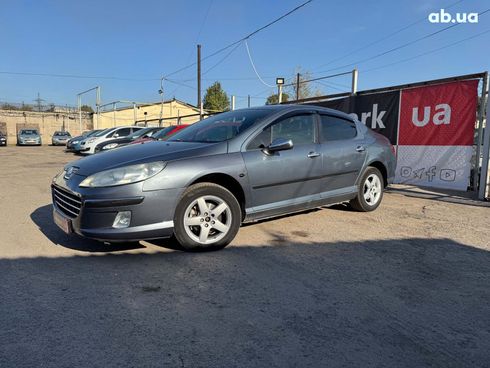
column 369, row 199
column 197, row 227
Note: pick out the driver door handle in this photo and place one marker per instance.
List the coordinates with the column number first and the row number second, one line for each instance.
column 313, row 154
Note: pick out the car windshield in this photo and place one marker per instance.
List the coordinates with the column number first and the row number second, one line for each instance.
column 93, row 132
column 103, row 132
column 62, row 134
column 221, row 127
column 139, row 133
column 163, row 133
column 28, row 131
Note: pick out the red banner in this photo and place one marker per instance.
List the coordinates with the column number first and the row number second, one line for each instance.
column 440, row 115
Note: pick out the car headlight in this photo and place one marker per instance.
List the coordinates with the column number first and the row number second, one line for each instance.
column 90, row 140
column 110, row 146
column 123, row 175
column 75, row 142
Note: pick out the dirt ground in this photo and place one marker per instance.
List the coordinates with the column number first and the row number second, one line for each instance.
column 405, row 286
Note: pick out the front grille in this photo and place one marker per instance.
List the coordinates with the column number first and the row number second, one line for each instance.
column 66, row 201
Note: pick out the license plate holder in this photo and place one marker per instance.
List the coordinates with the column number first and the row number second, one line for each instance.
column 62, row 222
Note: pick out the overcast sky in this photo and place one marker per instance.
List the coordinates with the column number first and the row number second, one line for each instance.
column 143, row 40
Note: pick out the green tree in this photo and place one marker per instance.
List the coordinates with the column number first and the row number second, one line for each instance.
column 86, row 108
column 274, row 98
column 216, row 98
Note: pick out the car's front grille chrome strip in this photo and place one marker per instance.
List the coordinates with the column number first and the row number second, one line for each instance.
column 67, row 202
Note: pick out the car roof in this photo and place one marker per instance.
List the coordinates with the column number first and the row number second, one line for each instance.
column 298, row 107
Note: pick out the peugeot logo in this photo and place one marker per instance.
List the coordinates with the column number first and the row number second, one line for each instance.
column 70, row 171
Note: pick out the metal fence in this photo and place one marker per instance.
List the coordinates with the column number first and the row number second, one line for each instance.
column 50, row 107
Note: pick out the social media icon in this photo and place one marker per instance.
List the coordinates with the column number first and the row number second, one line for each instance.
column 448, row 174
column 405, row 171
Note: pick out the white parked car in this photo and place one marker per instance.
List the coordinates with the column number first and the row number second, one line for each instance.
column 87, row 146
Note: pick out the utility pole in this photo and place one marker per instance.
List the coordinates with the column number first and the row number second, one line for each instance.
column 297, row 85
column 160, row 91
column 248, row 101
column 199, row 100
column 233, row 102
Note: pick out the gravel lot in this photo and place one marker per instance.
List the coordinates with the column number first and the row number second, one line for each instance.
column 405, row 286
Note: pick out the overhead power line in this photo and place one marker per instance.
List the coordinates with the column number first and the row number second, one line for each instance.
column 427, row 52
column 251, row 34
column 400, row 47
column 254, row 68
column 366, row 46
column 222, row 59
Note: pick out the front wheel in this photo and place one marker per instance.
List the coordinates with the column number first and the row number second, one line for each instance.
column 370, row 191
column 207, row 217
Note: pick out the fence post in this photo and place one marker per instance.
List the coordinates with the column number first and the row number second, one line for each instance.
column 479, row 140
column 484, row 176
column 355, row 75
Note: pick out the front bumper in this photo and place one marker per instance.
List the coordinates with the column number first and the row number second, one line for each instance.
column 29, row 143
column 56, row 142
column 91, row 211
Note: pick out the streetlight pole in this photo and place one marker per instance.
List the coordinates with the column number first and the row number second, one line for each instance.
column 280, row 83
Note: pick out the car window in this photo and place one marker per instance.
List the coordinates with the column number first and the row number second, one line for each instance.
column 335, row 129
column 123, row 132
column 299, row 128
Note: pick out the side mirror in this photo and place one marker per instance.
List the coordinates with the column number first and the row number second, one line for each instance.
column 280, row 144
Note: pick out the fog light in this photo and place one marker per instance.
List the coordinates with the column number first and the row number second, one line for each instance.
column 122, row 220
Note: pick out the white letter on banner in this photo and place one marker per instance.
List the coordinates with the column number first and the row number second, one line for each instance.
column 444, row 116
column 415, row 116
column 377, row 118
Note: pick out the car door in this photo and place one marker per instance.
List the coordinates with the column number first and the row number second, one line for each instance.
column 285, row 177
column 343, row 152
column 121, row 133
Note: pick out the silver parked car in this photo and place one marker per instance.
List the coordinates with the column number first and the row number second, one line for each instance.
column 60, row 138
column 29, row 137
column 235, row 167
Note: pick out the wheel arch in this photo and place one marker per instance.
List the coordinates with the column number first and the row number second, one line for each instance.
column 227, row 182
column 382, row 168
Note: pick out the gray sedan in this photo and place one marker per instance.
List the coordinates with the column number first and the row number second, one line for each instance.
column 235, row 167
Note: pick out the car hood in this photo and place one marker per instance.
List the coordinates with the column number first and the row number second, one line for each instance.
column 143, row 153
column 78, row 137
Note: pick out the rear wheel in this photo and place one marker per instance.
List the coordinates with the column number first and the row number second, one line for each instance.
column 207, row 217
column 370, row 191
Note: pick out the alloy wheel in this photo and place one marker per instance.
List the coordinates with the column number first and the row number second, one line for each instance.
column 207, row 219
